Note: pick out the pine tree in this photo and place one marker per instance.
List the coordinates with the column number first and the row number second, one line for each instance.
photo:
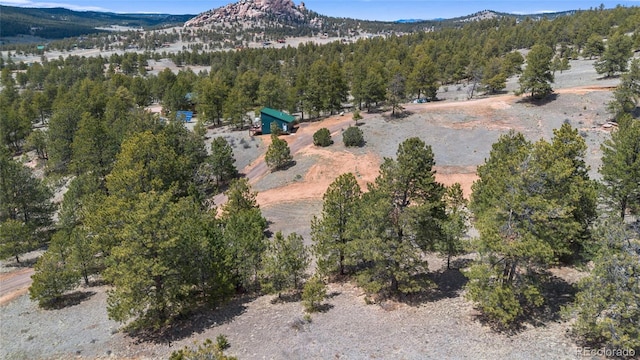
column 245, row 240
column 339, row 89
column 607, row 303
column 212, row 93
column 222, row 162
column 332, row 233
column 53, row 276
column 236, row 107
column 243, row 231
column 493, row 77
column 147, row 162
column 593, row 47
column 285, row 263
column 23, row 197
column 356, row 116
column 399, row 219
column 626, row 96
column 396, row 87
column 353, row 136
column 318, row 92
column 322, row 138
column 166, row 259
column 537, row 76
column 621, row 167
column 423, row 79
column 93, row 149
column 455, row 225
column 37, row 141
column 14, row 239
column 278, row 154
column 533, row 205
column 270, row 91
column 616, row 57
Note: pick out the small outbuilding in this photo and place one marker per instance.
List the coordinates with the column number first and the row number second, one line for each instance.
column 283, row 121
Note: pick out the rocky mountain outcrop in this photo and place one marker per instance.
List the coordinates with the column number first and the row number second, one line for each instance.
column 251, row 10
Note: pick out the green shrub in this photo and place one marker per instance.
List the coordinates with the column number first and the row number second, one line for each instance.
column 207, row 350
column 222, row 343
column 353, row 137
column 322, row 137
column 313, row 293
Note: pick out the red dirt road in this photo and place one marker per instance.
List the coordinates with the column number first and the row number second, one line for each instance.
column 14, row 284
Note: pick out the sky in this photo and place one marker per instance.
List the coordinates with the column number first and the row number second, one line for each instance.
column 382, row 10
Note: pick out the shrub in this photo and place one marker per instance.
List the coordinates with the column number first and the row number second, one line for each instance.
column 222, row 343
column 313, row 293
column 322, row 137
column 353, row 137
column 206, row 350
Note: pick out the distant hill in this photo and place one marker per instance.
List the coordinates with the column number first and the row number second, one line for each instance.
column 57, row 23
column 272, row 17
column 490, row 14
column 409, row 21
column 284, row 11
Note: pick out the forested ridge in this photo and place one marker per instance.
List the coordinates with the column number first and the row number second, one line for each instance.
column 58, row 23
column 138, row 214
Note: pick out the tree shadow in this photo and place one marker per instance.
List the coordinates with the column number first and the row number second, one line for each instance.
column 445, row 284
column 332, row 294
column 497, row 92
column 497, row 327
column 69, row 299
column 608, row 77
column 324, row 307
column 539, row 102
column 461, row 263
column 286, row 166
column 196, row 322
column 287, row 298
column 400, row 114
column 557, row 294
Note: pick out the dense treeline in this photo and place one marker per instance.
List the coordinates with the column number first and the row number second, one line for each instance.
column 58, row 23
column 137, row 213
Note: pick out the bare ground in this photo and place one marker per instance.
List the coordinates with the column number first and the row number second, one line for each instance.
column 440, row 325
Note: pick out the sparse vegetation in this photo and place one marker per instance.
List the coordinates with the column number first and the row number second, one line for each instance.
column 207, row 350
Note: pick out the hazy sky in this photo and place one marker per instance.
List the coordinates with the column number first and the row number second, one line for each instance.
column 385, row 10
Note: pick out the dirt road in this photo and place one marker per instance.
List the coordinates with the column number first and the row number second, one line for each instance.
column 302, row 141
column 14, row 284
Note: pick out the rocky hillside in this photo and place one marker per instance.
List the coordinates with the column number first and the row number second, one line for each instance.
column 282, row 11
